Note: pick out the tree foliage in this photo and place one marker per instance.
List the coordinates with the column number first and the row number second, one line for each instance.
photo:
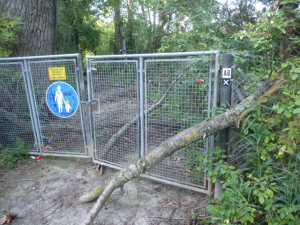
column 8, row 34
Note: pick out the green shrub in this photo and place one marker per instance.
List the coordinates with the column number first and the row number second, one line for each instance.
column 11, row 157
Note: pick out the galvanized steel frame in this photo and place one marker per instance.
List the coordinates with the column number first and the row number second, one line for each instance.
column 25, row 62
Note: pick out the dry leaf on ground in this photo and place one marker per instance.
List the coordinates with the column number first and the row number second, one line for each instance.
column 7, row 218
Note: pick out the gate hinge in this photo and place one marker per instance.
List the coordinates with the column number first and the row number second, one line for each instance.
column 77, row 68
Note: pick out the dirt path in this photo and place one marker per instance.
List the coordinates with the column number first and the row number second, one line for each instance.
column 46, row 191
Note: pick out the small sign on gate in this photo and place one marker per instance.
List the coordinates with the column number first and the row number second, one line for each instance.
column 62, row 99
column 226, row 73
column 57, row 73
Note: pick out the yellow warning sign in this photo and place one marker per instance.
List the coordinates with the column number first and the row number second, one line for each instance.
column 57, row 73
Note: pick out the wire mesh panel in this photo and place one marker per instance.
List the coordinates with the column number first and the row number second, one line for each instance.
column 15, row 117
column 243, row 86
column 58, row 135
column 115, row 126
column 187, row 84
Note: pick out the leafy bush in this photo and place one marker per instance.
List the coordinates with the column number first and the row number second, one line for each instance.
column 265, row 189
column 11, row 157
column 8, row 34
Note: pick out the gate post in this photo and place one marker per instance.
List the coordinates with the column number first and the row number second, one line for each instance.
column 225, row 99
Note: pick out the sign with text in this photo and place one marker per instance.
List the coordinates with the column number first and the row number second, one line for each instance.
column 226, row 73
column 57, row 73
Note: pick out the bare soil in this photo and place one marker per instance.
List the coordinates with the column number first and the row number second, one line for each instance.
column 46, row 191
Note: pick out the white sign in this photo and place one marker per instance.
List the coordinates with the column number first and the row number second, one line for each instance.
column 226, row 73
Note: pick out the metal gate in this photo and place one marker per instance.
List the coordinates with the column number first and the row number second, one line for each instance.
column 139, row 101
column 135, row 102
column 25, row 116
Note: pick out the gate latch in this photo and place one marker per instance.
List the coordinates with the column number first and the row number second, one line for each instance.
column 92, row 103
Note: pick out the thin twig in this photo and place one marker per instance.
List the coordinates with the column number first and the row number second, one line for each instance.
column 50, row 213
column 21, row 180
column 208, row 196
column 160, row 217
column 172, row 213
column 282, row 149
column 48, row 208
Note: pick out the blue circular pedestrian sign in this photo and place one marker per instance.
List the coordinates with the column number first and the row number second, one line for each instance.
column 62, row 99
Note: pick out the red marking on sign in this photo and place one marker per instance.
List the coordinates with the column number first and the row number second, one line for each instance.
column 199, row 80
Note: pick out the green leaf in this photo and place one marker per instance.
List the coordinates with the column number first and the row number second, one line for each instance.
column 297, row 101
column 296, row 110
column 261, row 200
column 267, row 139
column 275, row 106
column 268, row 207
column 280, row 110
column 294, row 76
column 287, row 113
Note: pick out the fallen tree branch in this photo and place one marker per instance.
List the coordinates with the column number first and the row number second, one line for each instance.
column 167, row 148
column 116, row 136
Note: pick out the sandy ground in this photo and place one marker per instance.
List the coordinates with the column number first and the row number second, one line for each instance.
column 46, row 191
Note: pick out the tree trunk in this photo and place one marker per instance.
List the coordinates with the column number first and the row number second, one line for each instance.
column 37, row 36
column 122, row 40
column 286, row 49
column 117, row 21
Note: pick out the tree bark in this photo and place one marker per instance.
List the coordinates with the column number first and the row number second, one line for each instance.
column 170, row 146
column 37, row 36
column 117, row 21
column 286, row 49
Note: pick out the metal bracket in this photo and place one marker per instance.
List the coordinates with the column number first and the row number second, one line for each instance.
column 94, row 103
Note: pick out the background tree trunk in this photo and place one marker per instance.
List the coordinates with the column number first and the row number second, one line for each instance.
column 285, row 50
column 37, row 36
column 117, row 23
